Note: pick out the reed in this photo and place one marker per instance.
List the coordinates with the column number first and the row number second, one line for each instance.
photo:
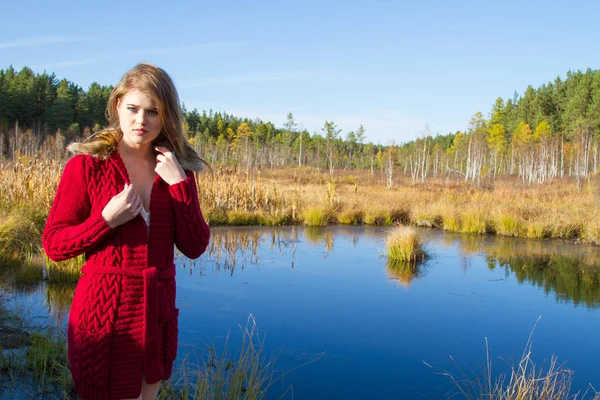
column 225, row 191
column 41, row 370
column 29, row 182
column 317, row 216
column 288, row 196
column 404, row 245
column 20, row 231
column 351, row 217
column 538, row 230
column 248, row 374
column 451, row 223
column 68, row 271
column 526, row 381
column 375, row 216
column 508, row 225
column 427, row 215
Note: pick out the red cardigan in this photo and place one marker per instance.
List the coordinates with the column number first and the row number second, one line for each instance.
column 123, row 320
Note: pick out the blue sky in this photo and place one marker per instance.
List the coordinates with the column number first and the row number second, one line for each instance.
column 400, row 68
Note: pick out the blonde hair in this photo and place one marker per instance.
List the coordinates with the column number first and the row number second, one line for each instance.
column 158, row 85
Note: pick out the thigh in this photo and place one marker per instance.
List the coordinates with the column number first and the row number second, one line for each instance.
column 149, row 392
column 137, row 398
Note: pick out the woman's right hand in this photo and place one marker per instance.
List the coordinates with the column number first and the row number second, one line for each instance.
column 123, row 207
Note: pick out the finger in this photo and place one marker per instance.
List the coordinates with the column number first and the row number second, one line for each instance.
column 124, row 191
column 131, row 193
column 161, row 158
column 163, row 150
column 132, row 203
column 135, row 200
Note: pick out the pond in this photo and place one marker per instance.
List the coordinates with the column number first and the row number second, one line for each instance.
column 327, row 295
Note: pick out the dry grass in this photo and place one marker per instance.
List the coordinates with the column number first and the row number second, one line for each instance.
column 41, row 369
column 526, row 381
column 405, row 246
column 291, row 196
column 248, row 374
column 20, row 233
column 29, row 182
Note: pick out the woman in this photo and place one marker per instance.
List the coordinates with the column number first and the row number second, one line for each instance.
column 124, row 201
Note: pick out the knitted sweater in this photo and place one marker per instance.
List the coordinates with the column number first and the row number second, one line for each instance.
column 123, row 320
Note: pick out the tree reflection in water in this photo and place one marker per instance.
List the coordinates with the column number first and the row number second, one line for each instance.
column 571, row 272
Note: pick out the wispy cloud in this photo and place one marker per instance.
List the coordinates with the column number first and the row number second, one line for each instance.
column 237, row 79
column 184, row 47
column 40, row 40
column 63, row 64
column 108, row 56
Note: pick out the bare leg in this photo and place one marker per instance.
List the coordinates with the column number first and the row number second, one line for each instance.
column 137, row 398
column 149, row 392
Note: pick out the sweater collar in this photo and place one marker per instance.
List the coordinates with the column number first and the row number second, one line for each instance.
column 117, row 161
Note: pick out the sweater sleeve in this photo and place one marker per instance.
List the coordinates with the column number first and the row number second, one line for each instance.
column 191, row 231
column 71, row 228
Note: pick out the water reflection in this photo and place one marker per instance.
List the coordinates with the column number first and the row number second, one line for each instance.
column 404, row 272
column 320, row 236
column 570, row 278
column 19, row 277
column 571, row 272
column 232, row 248
column 58, row 301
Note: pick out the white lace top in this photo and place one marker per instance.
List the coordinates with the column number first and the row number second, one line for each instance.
column 146, row 216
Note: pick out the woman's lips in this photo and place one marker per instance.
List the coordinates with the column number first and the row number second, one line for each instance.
column 140, row 131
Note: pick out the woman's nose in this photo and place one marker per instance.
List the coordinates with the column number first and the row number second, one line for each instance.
column 141, row 117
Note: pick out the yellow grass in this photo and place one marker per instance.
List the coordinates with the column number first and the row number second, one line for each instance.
column 404, row 245
column 317, row 216
column 294, row 196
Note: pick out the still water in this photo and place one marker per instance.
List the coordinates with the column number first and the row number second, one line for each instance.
column 328, row 294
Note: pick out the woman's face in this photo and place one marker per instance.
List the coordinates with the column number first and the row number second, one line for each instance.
column 138, row 118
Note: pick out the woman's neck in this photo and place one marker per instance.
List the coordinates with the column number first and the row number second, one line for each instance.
column 143, row 151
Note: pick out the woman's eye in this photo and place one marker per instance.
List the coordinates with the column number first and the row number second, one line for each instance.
column 132, row 109
column 153, row 112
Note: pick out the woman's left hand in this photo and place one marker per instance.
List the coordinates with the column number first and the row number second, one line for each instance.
column 167, row 166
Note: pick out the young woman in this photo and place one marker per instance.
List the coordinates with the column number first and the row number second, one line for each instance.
column 125, row 200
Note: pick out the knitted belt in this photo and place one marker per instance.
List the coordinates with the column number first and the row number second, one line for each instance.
column 154, row 311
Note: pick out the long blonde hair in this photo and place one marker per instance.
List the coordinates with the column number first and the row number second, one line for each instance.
column 158, row 85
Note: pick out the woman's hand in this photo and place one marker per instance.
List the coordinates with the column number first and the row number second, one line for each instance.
column 123, row 207
column 167, row 166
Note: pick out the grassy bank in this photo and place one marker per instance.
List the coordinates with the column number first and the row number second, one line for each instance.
column 303, row 196
column 559, row 209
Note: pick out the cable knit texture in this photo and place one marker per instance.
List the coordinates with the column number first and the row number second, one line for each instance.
column 123, row 321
